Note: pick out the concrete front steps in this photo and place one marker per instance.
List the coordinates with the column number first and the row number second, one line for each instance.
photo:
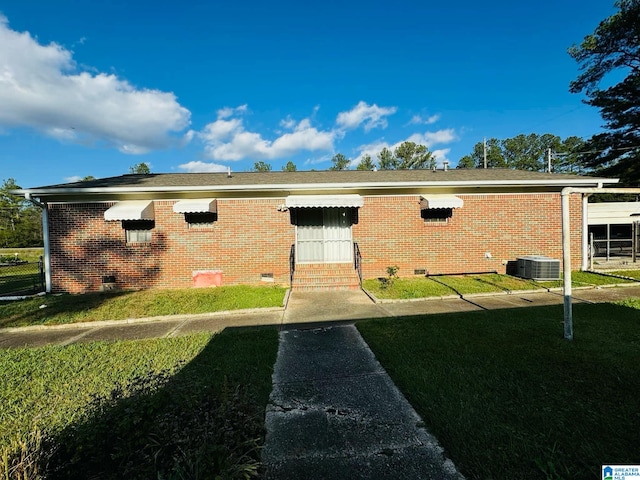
column 325, row 276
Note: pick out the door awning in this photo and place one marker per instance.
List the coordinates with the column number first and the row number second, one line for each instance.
column 440, row 201
column 131, row 210
column 324, row 201
column 196, row 205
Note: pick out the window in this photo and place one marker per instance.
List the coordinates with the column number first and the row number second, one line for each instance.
column 436, row 215
column 200, row 219
column 138, row 231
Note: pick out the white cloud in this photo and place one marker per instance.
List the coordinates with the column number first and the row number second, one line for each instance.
column 371, row 115
column 441, row 156
column 419, row 120
column 73, row 179
column 288, row 123
column 41, row 88
column 227, row 139
column 202, row 167
column 227, row 112
column 434, row 138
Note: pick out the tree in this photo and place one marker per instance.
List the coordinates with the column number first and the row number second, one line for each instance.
column 566, row 157
column 340, row 162
column 413, row 156
column 88, row 178
column 366, row 163
column 526, row 152
column 495, row 158
column 386, row 160
column 140, row 168
column 20, row 221
column 289, row 167
column 407, row 155
column 613, row 48
column 261, row 167
column 529, row 152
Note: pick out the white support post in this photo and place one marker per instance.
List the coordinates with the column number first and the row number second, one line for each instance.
column 47, row 255
column 566, row 264
column 585, row 232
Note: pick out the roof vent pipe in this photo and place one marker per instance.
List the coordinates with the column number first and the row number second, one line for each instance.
column 445, row 164
column 228, row 172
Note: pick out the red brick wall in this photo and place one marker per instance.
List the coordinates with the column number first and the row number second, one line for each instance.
column 251, row 237
column 390, row 232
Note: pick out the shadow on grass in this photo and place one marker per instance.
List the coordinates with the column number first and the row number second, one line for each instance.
column 508, row 397
column 204, row 421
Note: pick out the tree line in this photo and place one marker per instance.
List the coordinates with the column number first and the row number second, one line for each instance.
column 20, row 220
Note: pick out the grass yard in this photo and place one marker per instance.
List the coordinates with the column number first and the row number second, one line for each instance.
column 508, row 397
column 121, row 305
column 627, row 273
column 182, row 407
column 26, row 254
column 437, row 286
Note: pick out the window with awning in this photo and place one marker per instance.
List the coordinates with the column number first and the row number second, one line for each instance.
column 438, row 208
column 137, row 217
column 198, row 212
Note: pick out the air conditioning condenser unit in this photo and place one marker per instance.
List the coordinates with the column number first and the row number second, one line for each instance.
column 539, row 267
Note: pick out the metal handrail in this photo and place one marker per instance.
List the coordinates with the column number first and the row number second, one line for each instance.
column 357, row 260
column 292, row 263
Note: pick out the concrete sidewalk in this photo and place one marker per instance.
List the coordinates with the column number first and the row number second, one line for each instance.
column 136, row 329
column 303, row 308
column 334, row 413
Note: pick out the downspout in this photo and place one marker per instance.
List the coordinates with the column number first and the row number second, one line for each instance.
column 45, row 238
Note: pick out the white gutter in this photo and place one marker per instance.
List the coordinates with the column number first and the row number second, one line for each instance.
column 566, row 246
column 45, row 238
column 584, row 181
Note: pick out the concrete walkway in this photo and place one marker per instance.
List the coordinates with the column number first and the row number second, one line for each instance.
column 334, row 413
column 308, row 309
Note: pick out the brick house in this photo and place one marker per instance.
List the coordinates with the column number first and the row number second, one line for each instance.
column 183, row 230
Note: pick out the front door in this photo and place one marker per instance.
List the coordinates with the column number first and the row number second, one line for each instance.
column 324, row 235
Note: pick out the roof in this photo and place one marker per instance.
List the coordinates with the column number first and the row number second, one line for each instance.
column 178, row 185
column 613, row 213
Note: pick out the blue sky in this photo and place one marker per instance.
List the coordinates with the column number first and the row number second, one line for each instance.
column 92, row 88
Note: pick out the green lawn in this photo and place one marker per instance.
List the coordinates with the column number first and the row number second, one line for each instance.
column 26, row 254
column 436, row 286
column 627, row 273
column 508, row 397
column 162, row 408
column 90, row 307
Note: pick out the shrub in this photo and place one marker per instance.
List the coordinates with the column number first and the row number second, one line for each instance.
column 392, row 275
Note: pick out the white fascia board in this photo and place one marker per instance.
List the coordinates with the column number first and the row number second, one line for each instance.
column 579, row 182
